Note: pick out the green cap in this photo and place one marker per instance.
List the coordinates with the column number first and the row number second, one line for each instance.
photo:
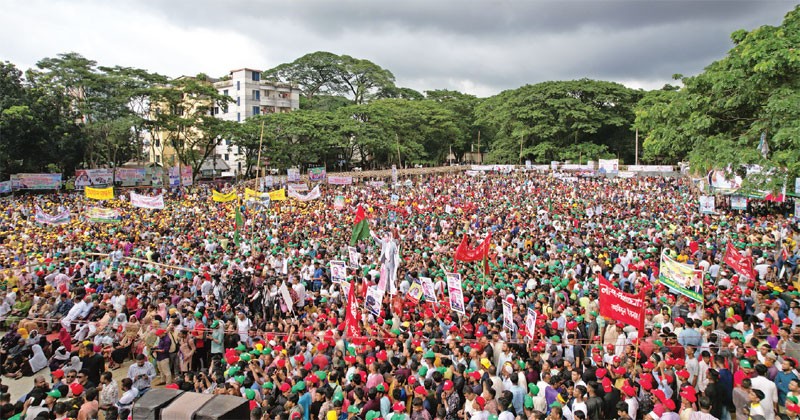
column 352, row 409
column 372, row 415
column 429, row 355
column 241, row 347
column 249, row 394
column 555, row 339
column 745, row 364
column 423, row 370
column 268, row 385
column 380, row 388
column 533, row 389
column 54, row 393
column 215, row 324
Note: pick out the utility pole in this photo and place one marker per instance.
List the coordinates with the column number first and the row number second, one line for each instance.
column 480, row 155
column 636, row 150
column 397, row 139
column 258, row 161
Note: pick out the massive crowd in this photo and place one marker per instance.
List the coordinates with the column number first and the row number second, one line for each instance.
column 201, row 305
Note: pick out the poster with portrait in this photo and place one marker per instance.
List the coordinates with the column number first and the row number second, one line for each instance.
column 455, row 292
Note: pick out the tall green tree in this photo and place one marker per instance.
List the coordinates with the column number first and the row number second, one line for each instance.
column 549, row 120
column 315, row 74
column 362, row 79
column 718, row 118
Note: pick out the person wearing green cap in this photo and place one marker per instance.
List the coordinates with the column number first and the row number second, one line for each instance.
column 217, row 339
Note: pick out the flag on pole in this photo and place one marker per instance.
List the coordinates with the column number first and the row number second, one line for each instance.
column 479, row 253
column 360, row 226
column 351, row 315
column 239, row 222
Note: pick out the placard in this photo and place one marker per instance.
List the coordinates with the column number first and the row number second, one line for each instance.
column 707, row 205
column 338, row 202
column 455, row 292
column 93, row 177
column 36, row 181
column 292, row 175
column 338, row 271
column 738, row 202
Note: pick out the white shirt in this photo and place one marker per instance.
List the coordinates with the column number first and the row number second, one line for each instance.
column 770, row 395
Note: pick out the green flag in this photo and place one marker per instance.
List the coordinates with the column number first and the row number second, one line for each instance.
column 360, row 227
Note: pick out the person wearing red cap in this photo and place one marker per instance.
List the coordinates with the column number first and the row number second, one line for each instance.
column 450, row 399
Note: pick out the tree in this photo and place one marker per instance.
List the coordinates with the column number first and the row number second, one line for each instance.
column 362, row 78
column 182, row 119
column 543, row 121
column 462, row 105
column 718, row 118
column 315, row 74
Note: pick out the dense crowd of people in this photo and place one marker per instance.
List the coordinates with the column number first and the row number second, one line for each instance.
column 182, row 298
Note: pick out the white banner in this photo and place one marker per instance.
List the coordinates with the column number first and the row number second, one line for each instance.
column 354, row 256
column 428, row 292
column 738, row 202
column 338, row 271
column 707, row 204
column 530, row 323
column 455, row 292
column 376, row 184
column 292, row 175
column 93, row 177
column 626, row 174
column 266, row 183
column 373, row 300
column 286, row 296
column 313, row 195
column 298, row 187
column 340, row 180
column 651, row 168
column 608, row 166
column 146, row 202
column 508, row 317
column 45, row 219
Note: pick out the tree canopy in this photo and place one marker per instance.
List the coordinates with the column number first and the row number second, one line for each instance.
column 719, row 117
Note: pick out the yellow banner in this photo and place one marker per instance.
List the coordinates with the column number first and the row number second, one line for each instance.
column 248, row 194
column 100, row 193
column 278, row 195
column 223, row 198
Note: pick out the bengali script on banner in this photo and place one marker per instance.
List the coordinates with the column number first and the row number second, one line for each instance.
column 621, row 306
column 681, row 278
column 99, row 193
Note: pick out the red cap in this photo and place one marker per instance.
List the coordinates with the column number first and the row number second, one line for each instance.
column 76, row 389
column 481, row 401
column 58, row 373
column 160, row 332
column 172, row 386
column 420, row 390
column 398, row 407
column 629, row 390
column 660, row 395
column 448, row 385
column 285, row 387
column 649, row 365
column 600, row 373
column 683, row 374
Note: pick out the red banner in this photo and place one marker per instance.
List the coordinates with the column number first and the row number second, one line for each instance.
column 351, row 316
column 739, row 263
column 480, row 252
column 620, row 306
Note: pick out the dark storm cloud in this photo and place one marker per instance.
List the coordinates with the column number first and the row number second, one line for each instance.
column 494, row 44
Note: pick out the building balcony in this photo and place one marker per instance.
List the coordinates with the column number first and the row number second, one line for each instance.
column 277, row 102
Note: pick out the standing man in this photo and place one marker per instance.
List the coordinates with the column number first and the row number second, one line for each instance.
column 93, row 363
column 141, row 374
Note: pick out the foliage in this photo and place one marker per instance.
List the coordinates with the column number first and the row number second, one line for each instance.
column 548, row 121
column 718, row 118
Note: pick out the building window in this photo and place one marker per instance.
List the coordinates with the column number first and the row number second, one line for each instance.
column 216, row 110
column 256, row 110
column 238, row 85
column 256, row 76
column 238, row 102
column 228, row 142
column 158, row 159
column 238, row 117
column 225, row 108
column 225, row 92
column 226, row 156
column 158, row 142
column 256, row 94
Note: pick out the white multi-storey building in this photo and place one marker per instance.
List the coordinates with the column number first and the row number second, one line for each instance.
column 251, row 96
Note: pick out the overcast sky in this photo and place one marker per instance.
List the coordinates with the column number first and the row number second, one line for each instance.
column 480, row 47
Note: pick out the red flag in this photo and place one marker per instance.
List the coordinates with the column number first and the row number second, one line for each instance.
column 481, row 252
column 620, row 306
column 351, row 316
column 740, row 264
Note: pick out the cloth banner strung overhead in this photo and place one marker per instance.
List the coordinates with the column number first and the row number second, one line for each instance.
column 45, row 219
column 146, row 202
column 223, row 198
column 100, row 193
column 312, row 195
